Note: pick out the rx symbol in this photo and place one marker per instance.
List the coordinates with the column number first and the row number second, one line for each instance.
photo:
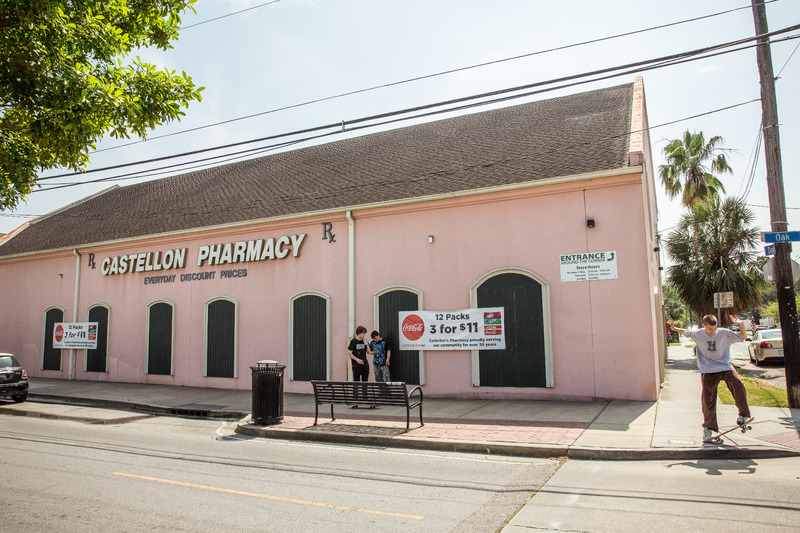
column 326, row 232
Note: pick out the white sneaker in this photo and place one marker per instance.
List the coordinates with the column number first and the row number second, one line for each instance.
column 707, row 435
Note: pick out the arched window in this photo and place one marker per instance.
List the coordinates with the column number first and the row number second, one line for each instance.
column 310, row 339
column 220, row 338
column 160, row 335
column 97, row 359
column 51, row 357
column 407, row 365
column 526, row 361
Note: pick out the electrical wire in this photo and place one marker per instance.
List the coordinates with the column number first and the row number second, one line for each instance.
column 228, row 15
column 504, row 161
column 423, row 77
column 485, row 164
column 787, row 61
column 752, row 175
column 606, row 73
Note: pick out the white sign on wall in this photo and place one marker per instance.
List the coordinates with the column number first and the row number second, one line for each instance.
column 467, row 329
column 589, row 266
column 81, row 335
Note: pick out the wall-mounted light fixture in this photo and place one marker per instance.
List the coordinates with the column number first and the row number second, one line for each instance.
column 589, row 222
column 657, row 249
column 430, row 238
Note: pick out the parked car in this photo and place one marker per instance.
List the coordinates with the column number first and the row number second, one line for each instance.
column 766, row 344
column 13, row 378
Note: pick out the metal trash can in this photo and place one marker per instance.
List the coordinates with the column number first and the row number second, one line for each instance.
column 267, row 392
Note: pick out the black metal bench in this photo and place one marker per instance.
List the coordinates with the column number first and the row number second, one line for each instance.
column 366, row 393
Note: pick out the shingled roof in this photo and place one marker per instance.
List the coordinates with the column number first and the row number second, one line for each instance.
column 565, row 136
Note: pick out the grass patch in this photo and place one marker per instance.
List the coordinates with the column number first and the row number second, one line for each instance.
column 758, row 393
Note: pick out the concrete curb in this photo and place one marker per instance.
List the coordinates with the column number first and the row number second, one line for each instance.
column 512, row 449
column 132, row 406
column 82, row 419
column 244, row 427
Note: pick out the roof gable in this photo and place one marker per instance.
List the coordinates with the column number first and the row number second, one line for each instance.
column 577, row 134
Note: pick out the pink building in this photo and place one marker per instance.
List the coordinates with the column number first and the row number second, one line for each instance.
column 194, row 278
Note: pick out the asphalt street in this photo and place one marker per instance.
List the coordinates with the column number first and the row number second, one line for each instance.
column 667, row 496
column 172, row 474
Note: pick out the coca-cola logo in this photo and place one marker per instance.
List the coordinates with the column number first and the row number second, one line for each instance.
column 59, row 333
column 413, row 327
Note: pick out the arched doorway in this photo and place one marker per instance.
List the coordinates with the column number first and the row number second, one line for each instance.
column 405, row 364
column 526, row 360
column 160, row 333
column 310, row 337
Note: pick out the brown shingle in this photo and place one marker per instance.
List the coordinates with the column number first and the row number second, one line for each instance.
column 564, row 136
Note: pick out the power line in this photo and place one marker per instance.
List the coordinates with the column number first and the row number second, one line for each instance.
column 232, row 14
column 565, row 148
column 767, row 207
column 423, row 77
column 498, row 162
column 606, row 73
column 754, row 153
column 778, row 75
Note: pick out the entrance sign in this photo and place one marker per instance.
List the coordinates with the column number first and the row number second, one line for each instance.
column 81, row 335
column 467, row 329
column 588, row 266
column 781, row 236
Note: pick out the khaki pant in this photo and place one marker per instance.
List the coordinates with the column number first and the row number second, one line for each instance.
column 710, row 383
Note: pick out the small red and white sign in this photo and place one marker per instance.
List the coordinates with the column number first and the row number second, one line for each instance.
column 412, row 327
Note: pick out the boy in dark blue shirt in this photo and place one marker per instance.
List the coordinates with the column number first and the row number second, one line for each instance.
column 381, row 355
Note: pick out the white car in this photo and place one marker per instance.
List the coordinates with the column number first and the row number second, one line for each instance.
column 766, row 344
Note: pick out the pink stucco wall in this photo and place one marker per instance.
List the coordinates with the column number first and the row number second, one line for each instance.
column 603, row 332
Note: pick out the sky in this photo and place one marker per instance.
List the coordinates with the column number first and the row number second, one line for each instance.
column 291, row 52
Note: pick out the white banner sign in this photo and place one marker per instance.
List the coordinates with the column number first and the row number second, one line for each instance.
column 75, row 335
column 589, row 266
column 468, row 329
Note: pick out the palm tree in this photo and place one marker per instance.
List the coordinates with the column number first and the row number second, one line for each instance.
column 713, row 249
column 686, row 171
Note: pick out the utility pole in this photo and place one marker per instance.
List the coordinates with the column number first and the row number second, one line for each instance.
column 784, row 282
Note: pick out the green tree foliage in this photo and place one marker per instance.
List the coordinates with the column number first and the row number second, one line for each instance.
column 713, row 249
column 66, row 79
column 691, row 166
column 771, row 309
column 674, row 307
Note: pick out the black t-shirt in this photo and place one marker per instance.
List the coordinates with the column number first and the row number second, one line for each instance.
column 359, row 349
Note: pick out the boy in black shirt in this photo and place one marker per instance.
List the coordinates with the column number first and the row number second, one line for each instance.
column 357, row 353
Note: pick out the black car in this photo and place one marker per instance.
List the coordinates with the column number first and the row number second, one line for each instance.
column 13, row 378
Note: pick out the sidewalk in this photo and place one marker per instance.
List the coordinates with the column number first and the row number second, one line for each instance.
column 667, row 429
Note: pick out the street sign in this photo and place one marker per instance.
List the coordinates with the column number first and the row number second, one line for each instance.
column 781, row 236
column 769, row 250
column 723, row 299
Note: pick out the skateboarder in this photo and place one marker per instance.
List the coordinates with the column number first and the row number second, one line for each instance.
column 714, row 362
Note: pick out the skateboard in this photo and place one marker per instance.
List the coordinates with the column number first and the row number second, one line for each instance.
column 717, row 439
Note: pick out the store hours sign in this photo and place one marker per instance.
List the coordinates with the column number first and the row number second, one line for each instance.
column 467, row 329
column 589, row 266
